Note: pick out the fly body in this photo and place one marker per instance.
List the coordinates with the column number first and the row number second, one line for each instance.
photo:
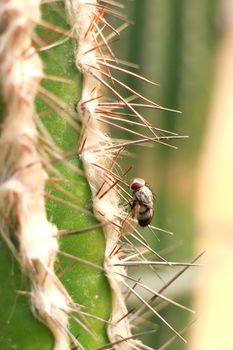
column 142, row 204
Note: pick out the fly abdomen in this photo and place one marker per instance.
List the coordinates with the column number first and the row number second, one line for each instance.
column 145, row 216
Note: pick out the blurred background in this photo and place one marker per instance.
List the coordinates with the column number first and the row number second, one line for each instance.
column 187, row 47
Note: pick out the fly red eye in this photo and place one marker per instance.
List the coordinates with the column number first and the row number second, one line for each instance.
column 137, row 184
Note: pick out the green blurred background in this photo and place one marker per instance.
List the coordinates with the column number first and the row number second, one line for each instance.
column 174, row 43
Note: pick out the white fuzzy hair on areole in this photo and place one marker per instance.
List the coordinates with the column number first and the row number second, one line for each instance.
column 106, row 208
column 22, row 177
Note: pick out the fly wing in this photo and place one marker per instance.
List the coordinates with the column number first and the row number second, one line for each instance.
column 129, row 223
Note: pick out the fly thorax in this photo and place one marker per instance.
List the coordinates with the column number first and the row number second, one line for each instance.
column 144, row 196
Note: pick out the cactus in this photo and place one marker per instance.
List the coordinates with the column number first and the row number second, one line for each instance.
column 64, row 252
